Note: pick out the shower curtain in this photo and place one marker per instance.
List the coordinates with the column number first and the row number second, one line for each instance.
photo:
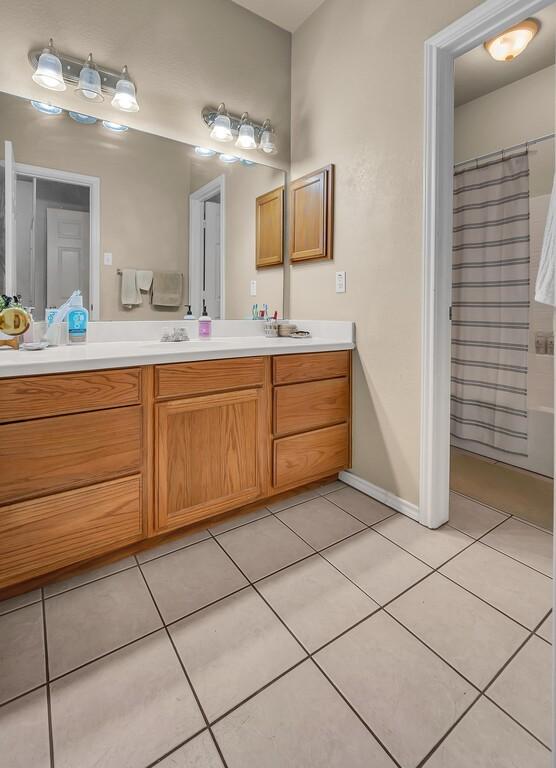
column 490, row 304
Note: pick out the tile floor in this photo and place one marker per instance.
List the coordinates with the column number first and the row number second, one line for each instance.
column 326, row 630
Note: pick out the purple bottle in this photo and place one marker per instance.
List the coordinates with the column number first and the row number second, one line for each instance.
column 205, row 323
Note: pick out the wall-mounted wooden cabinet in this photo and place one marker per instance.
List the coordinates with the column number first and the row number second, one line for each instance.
column 174, row 444
column 311, row 215
column 270, row 228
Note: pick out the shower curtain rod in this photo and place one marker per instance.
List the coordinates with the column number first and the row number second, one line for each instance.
column 525, row 144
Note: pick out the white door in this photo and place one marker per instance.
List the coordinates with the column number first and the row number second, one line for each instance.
column 212, row 278
column 8, row 268
column 67, row 255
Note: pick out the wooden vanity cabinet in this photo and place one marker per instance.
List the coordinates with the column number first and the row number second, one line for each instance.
column 95, row 462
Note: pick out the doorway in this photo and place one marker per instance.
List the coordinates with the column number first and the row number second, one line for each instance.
column 207, row 246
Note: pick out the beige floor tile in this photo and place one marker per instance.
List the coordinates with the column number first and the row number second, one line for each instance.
column 546, row 629
column 524, row 689
column 263, row 547
column 487, row 738
column 298, row 721
column 526, row 543
column 22, row 659
column 19, row 601
column 291, row 498
column 512, row 587
column 232, row 649
column 125, row 710
column 432, row 546
column 334, row 485
column 172, row 546
column 237, row 520
column 379, row 567
column 320, row 523
column 473, row 637
column 24, row 740
column 407, row 695
column 200, row 752
column 472, row 518
column 191, row 578
column 315, row 601
column 97, row 618
column 363, row 507
column 84, row 577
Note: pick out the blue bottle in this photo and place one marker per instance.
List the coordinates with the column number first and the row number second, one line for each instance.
column 78, row 318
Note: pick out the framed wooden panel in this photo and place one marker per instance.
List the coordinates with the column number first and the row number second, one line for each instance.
column 207, row 455
column 302, row 458
column 313, row 404
column 311, row 215
column 310, row 366
column 270, row 228
column 205, row 376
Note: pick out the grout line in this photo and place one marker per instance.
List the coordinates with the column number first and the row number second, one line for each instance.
column 175, row 749
column 498, row 706
column 20, row 607
column 47, row 673
column 429, row 754
column 85, row 583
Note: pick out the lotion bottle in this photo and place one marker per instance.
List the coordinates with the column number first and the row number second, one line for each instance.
column 78, row 318
column 205, row 323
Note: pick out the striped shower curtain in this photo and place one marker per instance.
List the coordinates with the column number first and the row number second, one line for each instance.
column 490, row 305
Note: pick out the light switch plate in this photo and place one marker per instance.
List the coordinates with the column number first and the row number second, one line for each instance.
column 253, row 287
column 107, row 259
column 340, row 282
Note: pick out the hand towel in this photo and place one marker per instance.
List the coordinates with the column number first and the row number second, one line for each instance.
column 130, row 296
column 167, row 289
column 545, row 288
column 144, row 279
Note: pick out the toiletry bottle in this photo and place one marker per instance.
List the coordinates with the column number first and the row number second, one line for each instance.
column 205, row 323
column 78, row 317
column 29, row 335
column 189, row 314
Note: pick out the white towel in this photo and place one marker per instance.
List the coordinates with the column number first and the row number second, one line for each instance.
column 144, row 279
column 545, row 288
column 130, row 296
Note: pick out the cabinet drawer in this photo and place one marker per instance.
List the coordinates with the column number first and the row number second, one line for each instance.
column 301, row 458
column 46, row 534
column 50, row 455
column 301, row 407
column 206, row 376
column 32, row 397
column 288, row 369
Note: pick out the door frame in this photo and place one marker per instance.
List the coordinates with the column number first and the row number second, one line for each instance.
column 488, row 19
column 93, row 183
column 196, row 200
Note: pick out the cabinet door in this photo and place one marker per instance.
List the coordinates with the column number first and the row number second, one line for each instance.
column 207, row 455
column 311, row 212
column 270, row 228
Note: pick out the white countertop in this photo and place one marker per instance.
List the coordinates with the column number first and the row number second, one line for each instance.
column 121, row 354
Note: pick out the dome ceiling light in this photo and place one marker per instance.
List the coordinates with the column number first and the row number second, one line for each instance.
column 513, row 41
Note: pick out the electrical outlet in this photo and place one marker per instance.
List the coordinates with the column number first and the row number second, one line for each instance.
column 340, row 282
column 253, row 287
column 107, row 259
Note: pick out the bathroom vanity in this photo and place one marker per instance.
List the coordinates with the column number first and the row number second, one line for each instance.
column 97, row 455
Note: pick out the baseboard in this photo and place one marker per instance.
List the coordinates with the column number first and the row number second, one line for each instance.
column 380, row 494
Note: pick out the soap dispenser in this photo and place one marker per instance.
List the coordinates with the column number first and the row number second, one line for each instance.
column 205, row 323
column 189, row 314
column 78, row 317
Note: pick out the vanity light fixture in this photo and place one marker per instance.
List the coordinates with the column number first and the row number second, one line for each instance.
column 228, row 159
column 224, row 126
column 46, row 109
column 89, row 85
column 82, row 119
column 48, row 73
column 244, row 161
column 221, row 126
column 205, row 152
column 513, row 41
column 267, row 143
column 115, row 127
column 125, row 98
column 246, row 134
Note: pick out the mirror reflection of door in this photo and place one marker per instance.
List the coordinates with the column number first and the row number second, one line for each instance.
column 67, row 255
column 211, row 259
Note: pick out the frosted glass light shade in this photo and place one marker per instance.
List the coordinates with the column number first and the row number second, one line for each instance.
column 228, row 159
column 268, row 144
column 246, row 137
column 48, row 73
column 513, row 41
column 115, row 127
column 125, row 98
column 222, row 129
column 46, row 109
column 89, row 84
column 205, row 152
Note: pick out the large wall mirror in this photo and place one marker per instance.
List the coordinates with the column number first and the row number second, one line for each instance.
column 86, row 206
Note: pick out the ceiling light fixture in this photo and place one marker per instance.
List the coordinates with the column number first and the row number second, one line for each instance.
column 89, row 85
column 246, row 134
column 221, row 126
column 224, row 126
column 48, row 73
column 114, row 127
column 125, row 98
column 46, row 109
column 513, row 41
column 228, row 159
column 205, row 152
column 82, row 119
